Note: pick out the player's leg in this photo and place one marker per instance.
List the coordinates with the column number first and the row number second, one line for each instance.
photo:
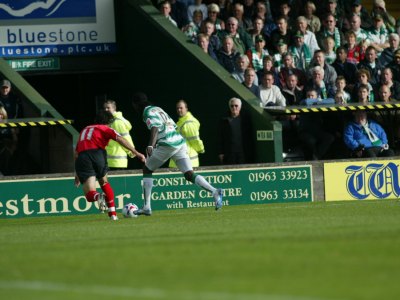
column 185, row 166
column 109, row 196
column 160, row 155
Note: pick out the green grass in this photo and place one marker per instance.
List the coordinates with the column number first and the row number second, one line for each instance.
column 315, row 251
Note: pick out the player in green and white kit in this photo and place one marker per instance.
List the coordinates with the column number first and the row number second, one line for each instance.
column 165, row 143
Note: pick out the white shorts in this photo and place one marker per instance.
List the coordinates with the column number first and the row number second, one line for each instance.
column 161, row 154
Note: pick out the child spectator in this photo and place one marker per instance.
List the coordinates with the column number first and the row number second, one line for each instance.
column 329, row 49
column 340, row 88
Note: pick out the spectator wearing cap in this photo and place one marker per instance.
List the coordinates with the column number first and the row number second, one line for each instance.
column 357, row 9
column 313, row 21
column 329, row 28
column 279, row 35
column 257, row 53
column 282, row 48
column 213, row 16
column 300, row 51
column 387, row 54
column 378, row 34
column 379, row 8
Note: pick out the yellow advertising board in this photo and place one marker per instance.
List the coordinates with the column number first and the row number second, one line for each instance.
column 362, row 180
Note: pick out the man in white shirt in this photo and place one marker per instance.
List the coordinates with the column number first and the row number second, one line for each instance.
column 270, row 94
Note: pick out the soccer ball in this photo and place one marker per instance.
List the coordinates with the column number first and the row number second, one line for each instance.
column 129, row 210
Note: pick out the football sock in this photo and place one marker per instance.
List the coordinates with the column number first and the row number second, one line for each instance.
column 202, row 182
column 147, row 187
column 92, row 196
column 107, row 189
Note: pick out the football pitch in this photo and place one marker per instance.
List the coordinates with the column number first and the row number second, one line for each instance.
column 305, row 251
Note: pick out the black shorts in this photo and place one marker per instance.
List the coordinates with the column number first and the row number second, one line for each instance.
column 91, row 163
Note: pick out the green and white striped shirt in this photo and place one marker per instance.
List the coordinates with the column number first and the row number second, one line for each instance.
column 154, row 116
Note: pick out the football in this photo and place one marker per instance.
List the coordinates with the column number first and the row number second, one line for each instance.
column 129, row 210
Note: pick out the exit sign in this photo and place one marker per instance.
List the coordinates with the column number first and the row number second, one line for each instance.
column 35, row 64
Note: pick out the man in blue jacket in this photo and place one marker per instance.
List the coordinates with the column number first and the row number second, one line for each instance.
column 366, row 138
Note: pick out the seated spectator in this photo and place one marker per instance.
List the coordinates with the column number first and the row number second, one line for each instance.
column 395, row 64
column 337, row 11
column 378, row 35
column 208, row 28
column 263, row 13
column 379, row 8
column 249, row 77
column 354, row 51
column 313, row 21
column 372, row 64
column 314, row 138
column 204, row 43
column 8, row 144
column 241, row 39
column 329, row 29
column 329, row 52
column 193, row 28
column 329, row 72
column 213, row 16
column 238, row 13
column 344, row 68
column 227, row 55
column 285, row 12
column 394, row 86
column 300, row 52
column 242, row 63
column 384, row 94
column 363, row 94
column 309, row 37
column 292, row 92
column 280, row 35
column 366, row 138
column 257, row 53
column 198, row 5
column 317, row 84
column 387, row 54
column 165, row 10
column 363, row 20
column 363, row 78
column 270, row 94
column 341, row 88
column 179, row 13
column 289, row 68
column 236, row 136
column 268, row 66
column 340, row 98
column 282, row 48
column 257, row 29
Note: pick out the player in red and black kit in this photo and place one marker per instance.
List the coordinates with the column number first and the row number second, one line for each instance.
column 91, row 161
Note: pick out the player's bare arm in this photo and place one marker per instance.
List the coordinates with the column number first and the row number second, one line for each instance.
column 123, row 142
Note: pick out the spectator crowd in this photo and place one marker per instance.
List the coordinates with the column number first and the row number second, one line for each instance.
column 286, row 51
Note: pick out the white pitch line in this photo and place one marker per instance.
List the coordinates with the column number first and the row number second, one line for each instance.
column 148, row 293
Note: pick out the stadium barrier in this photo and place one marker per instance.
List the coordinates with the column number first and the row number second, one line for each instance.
column 246, row 184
